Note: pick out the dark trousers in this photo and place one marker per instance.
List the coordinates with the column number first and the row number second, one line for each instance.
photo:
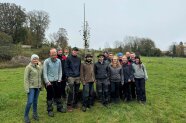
column 88, row 96
column 73, row 94
column 115, row 90
column 127, row 91
column 63, row 91
column 102, row 87
column 54, row 92
column 140, row 89
column 133, row 89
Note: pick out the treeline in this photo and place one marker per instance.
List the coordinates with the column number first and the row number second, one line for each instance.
column 141, row 46
column 177, row 50
column 17, row 26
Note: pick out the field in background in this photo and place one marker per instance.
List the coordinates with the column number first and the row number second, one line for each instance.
column 166, row 98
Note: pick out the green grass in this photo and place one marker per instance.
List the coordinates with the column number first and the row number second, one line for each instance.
column 166, row 98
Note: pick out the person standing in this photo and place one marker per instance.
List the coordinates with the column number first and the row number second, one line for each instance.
column 102, row 82
column 87, row 78
column 128, row 79
column 72, row 70
column 52, row 73
column 63, row 58
column 116, row 78
column 140, row 76
column 32, row 86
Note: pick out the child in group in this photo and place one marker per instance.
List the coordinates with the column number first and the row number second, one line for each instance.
column 140, row 76
column 102, row 82
column 116, row 78
column 87, row 78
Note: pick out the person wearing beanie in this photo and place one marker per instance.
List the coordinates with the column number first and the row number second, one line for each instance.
column 87, row 78
column 120, row 55
column 32, row 86
column 72, row 72
column 140, row 76
column 52, row 73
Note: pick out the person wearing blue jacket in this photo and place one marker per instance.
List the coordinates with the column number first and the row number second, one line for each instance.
column 52, row 73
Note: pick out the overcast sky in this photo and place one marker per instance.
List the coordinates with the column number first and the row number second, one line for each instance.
column 164, row 21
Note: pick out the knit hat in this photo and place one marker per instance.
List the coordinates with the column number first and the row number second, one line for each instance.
column 100, row 55
column 120, row 54
column 34, row 56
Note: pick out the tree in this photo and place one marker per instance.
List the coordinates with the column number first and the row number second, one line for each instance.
column 60, row 38
column 38, row 22
column 12, row 20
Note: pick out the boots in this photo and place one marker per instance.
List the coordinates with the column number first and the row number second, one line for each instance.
column 59, row 105
column 50, row 108
column 35, row 116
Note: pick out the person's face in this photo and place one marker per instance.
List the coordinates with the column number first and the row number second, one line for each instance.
column 127, row 54
column 132, row 56
column 74, row 52
column 115, row 60
column 53, row 54
column 66, row 52
column 120, row 57
column 111, row 56
column 101, row 59
column 124, row 59
column 106, row 55
column 35, row 60
column 137, row 61
column 59, row 52
column 89, row 59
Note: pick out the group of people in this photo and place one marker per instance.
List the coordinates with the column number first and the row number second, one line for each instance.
column 116, row 77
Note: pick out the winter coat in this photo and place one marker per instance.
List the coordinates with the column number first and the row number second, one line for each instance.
column 101, row 70
column 32, row 77
column 128, row 72
column 72, row 66
column 115, row 74
column 87, row 72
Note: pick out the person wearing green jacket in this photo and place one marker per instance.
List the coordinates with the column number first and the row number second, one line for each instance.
column 32, row 86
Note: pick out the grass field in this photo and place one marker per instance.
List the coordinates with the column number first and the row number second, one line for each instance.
column 166, row 98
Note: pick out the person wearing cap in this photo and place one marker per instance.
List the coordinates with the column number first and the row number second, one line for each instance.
column 32, row 86
column 72, row 71
column 87, row 78
column 140, row 77
column 116, row 78
column 52, row 73
column 102, row 82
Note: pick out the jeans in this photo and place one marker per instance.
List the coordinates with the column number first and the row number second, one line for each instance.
column 140, row 89
column 88, row 97
column 32, row 98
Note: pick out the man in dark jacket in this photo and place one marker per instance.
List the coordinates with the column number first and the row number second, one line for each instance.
column 72, row 70
column 63, row 58
column 102, row 83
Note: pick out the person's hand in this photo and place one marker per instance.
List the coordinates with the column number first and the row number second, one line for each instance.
column 129, row 80
column 48, row 84
column 59, row 81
